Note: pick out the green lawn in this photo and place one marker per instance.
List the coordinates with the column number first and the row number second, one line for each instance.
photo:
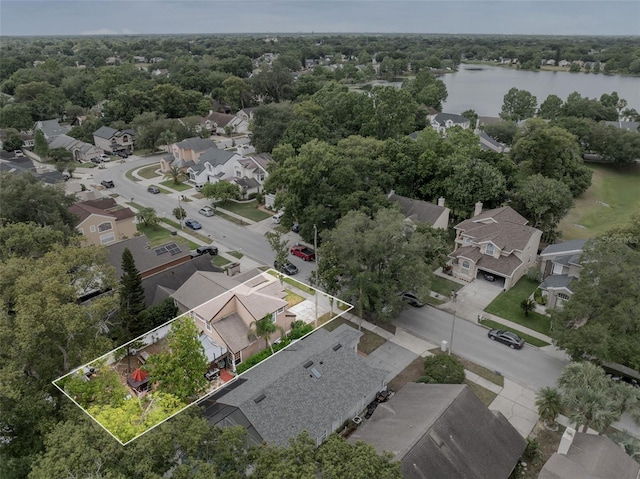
column 176, row 225
column 369, row 341
column 433, row 301
column 483, row 394
column 149, row 172
column 248, row 210
column 507, row 306
column 220, row 261
column 293, row 282
column 129, row 174
column 529, row 339
column 475, row 368
column 444, row 286
column 236, row 254
column 617, row 187
column 179, row 187
column 227, row 217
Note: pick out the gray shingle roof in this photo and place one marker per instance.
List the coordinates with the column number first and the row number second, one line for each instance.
column 145, row 258
column 557, row 281
column 507, row 230
column 105, row 132
column 196, row 144
column 203, row 286
column 295, row 399
column 418, row 210
column 571, row 246
column 442, row 118
column 443, row 431
column 51, row 128
column 215, row 157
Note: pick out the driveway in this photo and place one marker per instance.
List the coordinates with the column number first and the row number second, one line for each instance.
column 473, row 298
column 390, row 357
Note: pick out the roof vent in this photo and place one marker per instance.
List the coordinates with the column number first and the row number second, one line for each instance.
column 337, row 346
column 259, row 398
column 308, row 364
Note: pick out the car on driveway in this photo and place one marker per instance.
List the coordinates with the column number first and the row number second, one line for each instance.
column 206, row 211
column 210, row 250
column 286, row 268
column 96, row 159
column 412, row 299
column 107, row 183
column 18, row 154
column 506, row 337
column 303, row 252
column 193, row 224
column 153, row 189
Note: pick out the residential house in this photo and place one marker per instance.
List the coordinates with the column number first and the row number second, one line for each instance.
column 12, row 165
column 221, row 123
column 489, row 144
column 139, row 59
column 213, row 165
column 111, row 140
column 247, row 114
column 494, row 244
column 589, row 456
column 443, row 431
column 80, row 150
column 160, row 72
column 560, row 266
column 149, row 259
column 316, row 384
column 441, row 122
column 189, row 149
column 27, row 139
column 103, row 221
column 51, row 129
column 418, row 211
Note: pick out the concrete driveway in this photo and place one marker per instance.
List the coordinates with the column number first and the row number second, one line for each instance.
column 473, row 298
column 391, row 357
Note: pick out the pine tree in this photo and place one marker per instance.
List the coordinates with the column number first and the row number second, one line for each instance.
column 131, row 297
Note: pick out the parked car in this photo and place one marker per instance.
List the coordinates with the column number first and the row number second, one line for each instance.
column 211, row 250
column 286, row 268
column 489, row 277
column 295, row 228
column 277, row 217
column 412, row 299
column 506, row 337
column 153, row 189
column 105, row 158
column 96, row 159
column 122, row 154
column 107, row 183
column 212, row 374
column 207, row 211
column 18, row 154
column 303, row 252
column 193, row 224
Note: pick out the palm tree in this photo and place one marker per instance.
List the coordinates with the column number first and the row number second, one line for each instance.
column 549, row 403
column 176, row 174
column 592, row 408
column 528, row 305
column 583, row 373
column 167, row 138
column 148, row 216
column 264, row 328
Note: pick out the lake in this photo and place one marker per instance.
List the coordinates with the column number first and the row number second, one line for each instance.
column 484, row 90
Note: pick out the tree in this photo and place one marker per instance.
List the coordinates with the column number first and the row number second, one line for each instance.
column 41, row 147
column 600, row 319
column 269, row 125
column 518, row 105
column 132, row 301
column 544, row 202
column 527, row 305
column 368, row 260
column 12, row 141
column 60, row 155
column 180, row 213
column 503, row 131
column 279, row 245
column 221, row 191
column 27, row 240
column 148, row 216
column 175, row 174
column 265, row 328
column 442, row 369
column 550, row 405
column 551, row 108
column 472, row 116
column 167, row 138
column 16, row 115
column 180, row 367
column 236, row 90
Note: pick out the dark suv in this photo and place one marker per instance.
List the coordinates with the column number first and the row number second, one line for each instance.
column 107, row 183
column 286, row 268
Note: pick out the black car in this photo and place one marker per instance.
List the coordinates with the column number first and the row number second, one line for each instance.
column 122, row 154
column 193, row 224
column 286, row 268
column 506, row 337
column 153, row 189
column 412, row 299
column 211, row 250
column 96, row 159
column 107, row 183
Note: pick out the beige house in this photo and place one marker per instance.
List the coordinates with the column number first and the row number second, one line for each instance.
column 103, row 221
column 226, row 320
column 496, row 245
column 186, row 153
column 419, row 211
column 111, row 140
column 560, row 266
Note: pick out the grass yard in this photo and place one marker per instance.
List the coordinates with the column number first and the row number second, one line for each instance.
column 433, row 301
column 129, row 174
column 248, row 210
column 369, row 342
column 617, row 187
column 475, row 368
column 444, row 286
column 507, row 306
column 297, row 284
column 529, row 339
column 179, row 187
column 483, row 394
column 236, row 254
column 220, row 261
column 149, row 172
column 292, row 298
column 227, row 217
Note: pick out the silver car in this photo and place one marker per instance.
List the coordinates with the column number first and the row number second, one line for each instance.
column 206, row 211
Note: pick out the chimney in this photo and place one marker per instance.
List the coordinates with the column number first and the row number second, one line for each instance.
column 441, row 201
column 478, row 209
column 566, row 441
column 391, row 193
column 210, row 112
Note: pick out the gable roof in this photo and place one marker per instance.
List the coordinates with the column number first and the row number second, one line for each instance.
column 103, row 207
column 443, row 430
column 591, row 456
column 145, row 257
column 216, row 157
column 196, row 144
column 202, row 286
column 565, row 247
column 51, row 128
column 442, row 118
column 262, row 159
column 105, row 132
column 503, row 227
column 418, row 210
column 220, row 119
column 557, row 281
column 295, row 398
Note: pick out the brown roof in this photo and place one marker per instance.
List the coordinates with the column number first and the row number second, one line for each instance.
column 102, row 206
column 234, row 332
column 220, row 119
column 504, row 227
column 418, row 210
column 505, row 265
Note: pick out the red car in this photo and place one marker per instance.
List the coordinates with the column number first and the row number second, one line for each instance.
column 303, row 252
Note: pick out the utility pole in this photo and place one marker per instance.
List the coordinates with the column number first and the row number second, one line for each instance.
column 315, row 247
column 180, row 210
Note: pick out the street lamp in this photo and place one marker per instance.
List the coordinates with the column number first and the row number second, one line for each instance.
column 315, row 247
column 180, row 197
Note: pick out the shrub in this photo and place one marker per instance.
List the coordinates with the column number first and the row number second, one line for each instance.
column 298, row 329
column 442, row 369
column 259, row 198
column 252, row 196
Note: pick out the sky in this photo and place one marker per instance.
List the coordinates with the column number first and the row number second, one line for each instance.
column 542, row 17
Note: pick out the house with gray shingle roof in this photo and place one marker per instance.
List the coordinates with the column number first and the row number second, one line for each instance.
column 111, row 140
column 51, row 128
column 443, row 431
column 496, row 243
column 418, row 211
column 80, row 150
column 186, row 153
column 560, row 266
column 315, row 384
column 441, row 122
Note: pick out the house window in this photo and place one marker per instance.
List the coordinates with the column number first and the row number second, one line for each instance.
column 557, row 268
column 108, row 238
column 238, row 174
column 465, row 264
column 490, row 249
column 81, row 231
column 106, row 226
column 467, row 240
column 237, row 358
column 92, row 228
column 280, row 311
column 563, row 296
column 207, row 325
column 260, row 177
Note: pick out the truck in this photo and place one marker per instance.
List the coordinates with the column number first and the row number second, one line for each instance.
column 303, row 252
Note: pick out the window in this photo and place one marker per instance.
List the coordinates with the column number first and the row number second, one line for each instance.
column 106, row 226
column 237, row 358
column 92, row 228
column 465, row 264
column 280, row 311
column 557, row 268
column 108, row 238
column 81, row 231
column 238, row 174
column 490, row 249
column 207, row 325
column 467, row 240
column 563, row 296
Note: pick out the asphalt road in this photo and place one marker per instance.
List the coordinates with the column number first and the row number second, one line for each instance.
column 529, row 366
